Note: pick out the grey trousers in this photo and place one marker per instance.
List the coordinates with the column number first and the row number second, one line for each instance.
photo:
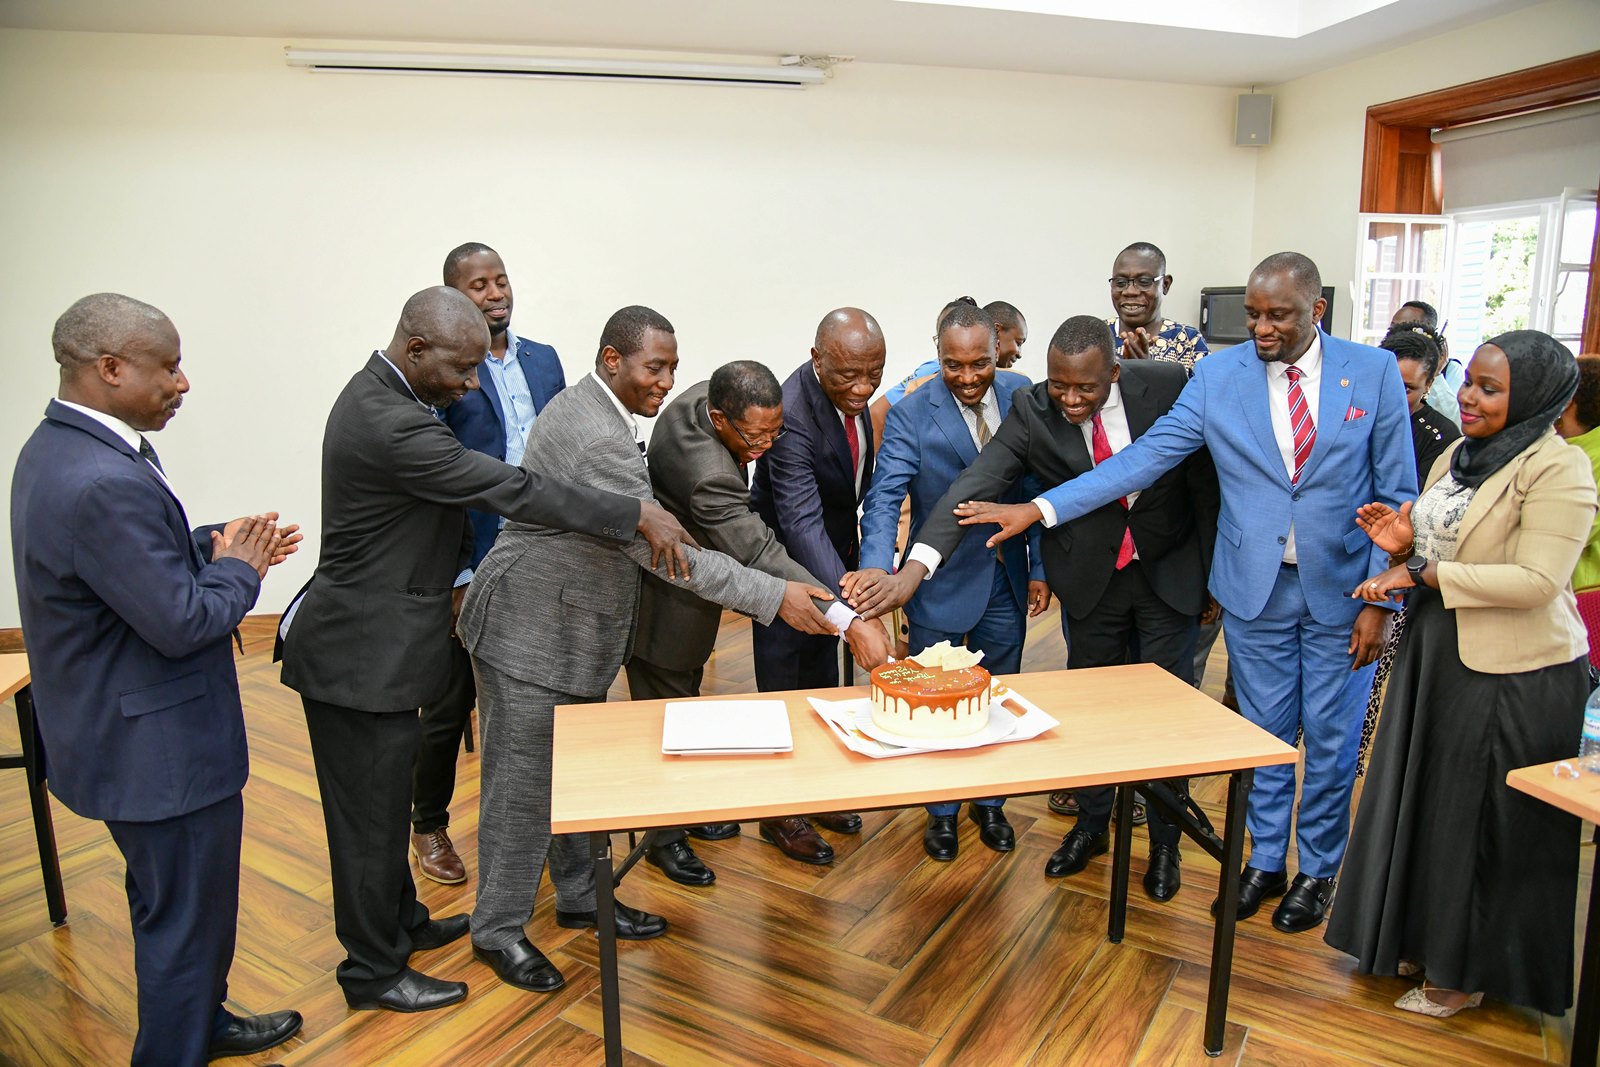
column 517, row 723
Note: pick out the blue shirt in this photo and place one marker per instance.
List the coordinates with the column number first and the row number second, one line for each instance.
column 897, row 392
column 516, row 399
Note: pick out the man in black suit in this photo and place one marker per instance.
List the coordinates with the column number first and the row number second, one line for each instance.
column 808, row 487
column 129, row 617
column 1134, row 568
column 363, row 646
column 702, row 447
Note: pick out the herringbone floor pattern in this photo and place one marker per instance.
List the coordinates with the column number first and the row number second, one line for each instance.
column 884, row 958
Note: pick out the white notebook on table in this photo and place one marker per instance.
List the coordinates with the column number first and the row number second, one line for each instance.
column 726, row 727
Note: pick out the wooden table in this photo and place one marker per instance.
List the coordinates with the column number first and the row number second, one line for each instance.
column 15, row 683
column 609, row 776
column 1580, row 797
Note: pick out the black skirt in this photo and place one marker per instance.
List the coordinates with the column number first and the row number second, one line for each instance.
column 1448, row 866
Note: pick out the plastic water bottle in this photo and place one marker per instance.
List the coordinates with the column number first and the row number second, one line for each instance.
column 1589, row 750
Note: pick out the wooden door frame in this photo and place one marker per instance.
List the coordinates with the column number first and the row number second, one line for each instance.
column 1400, row 164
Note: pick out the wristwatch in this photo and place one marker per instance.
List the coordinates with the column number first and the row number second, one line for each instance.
column 1414, row 567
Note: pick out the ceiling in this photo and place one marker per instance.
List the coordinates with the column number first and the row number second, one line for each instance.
column 1273, row 40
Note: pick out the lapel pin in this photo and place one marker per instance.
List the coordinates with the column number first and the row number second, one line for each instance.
column 1344, row 383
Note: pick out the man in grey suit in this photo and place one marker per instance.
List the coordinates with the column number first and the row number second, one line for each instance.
column 362, row 645
column 700, row 456
column 548, row 619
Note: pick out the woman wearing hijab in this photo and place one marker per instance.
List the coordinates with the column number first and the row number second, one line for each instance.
column 1450, row 873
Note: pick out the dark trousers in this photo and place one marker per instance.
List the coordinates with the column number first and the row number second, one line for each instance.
column 1130, row 610
column 433, row 778
column 364, row 762
column 788, row 659
column 648, row 681
column 183, row 898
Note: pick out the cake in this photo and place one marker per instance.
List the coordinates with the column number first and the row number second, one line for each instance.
column 940, row 692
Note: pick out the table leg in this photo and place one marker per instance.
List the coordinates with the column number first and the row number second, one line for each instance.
column 1227, row 912
column 1586, row 1019
column 39, row 798
column 606, row 928
column 1121, row 854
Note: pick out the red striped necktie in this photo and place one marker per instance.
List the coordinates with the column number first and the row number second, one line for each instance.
column 1101, row 450
column 1300, row 424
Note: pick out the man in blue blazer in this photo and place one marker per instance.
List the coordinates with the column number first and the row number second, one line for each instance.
column 1303, row 428
column 129, row 618
column 515, row 381
column 978, row 597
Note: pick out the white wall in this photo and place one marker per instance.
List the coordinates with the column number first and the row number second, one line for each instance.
column 1308, row 181
column 281, row 218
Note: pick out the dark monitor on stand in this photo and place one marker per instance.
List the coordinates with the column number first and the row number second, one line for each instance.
column 1222, row 315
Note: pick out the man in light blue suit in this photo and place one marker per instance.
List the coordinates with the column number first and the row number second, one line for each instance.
column 1303, row 428
column 978, row 596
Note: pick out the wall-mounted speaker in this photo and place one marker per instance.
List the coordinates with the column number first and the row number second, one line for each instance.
column 1252, row 120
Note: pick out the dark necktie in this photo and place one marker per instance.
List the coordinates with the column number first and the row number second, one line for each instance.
column 1102, row 452
column 982, row 427
column 148, row 454
column 1300, row 424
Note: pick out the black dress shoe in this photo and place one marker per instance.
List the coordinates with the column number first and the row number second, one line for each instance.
column 840, row 822
column 413, row 992
column 993, row 830
column 1305, row 906
column 437, row 933
column 1163, row 876
column 1255, row 885
column 632, row 924
column 717, row 831
column 679, row 863
column 521, row 965
column 1075, row 852
column 939, row 840
column 248, row 1034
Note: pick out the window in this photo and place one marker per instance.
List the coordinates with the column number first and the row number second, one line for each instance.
column 1402, row 257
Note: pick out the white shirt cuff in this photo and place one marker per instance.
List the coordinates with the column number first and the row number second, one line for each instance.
column 840, row 615
column 1046, row 510
column 464, row 577
column 928, row 556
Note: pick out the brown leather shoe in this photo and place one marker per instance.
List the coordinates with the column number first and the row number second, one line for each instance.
column 840, row 822
column 436, row 857
column 797, row 840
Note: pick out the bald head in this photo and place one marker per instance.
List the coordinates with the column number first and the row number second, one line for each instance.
column 848, row 356
column 1298, row 269
column 102, row 324
column 439, row 342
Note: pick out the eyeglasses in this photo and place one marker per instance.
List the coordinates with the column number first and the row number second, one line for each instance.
column 1144, row 283
column 762, row 440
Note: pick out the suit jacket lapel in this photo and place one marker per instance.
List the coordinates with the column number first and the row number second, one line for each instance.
column 831, row 426
column 1332, row 403
column 1257, row 405
column 947, row 416
column 104, row 434
column 491, row 393
column 1136, row 406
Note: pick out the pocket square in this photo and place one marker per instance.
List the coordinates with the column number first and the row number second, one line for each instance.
column 1353, row 413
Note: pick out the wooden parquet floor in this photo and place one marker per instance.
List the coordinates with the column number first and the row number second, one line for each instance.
column 884, row 958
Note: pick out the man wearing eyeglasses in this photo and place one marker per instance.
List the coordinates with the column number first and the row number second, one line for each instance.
column 1139, row 280
column 700, row 456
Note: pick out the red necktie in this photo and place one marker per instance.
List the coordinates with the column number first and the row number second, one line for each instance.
column 1300, row 424
column 1102, row 452
column 853, row 435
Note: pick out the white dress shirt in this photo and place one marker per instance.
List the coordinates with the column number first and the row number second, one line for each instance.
column 1310, row 368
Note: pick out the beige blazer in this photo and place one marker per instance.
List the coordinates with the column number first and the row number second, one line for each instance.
column 1511, row 581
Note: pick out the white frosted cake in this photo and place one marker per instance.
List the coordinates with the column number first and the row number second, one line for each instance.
column 940, row 692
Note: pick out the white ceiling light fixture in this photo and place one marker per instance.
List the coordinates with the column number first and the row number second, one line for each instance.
column 795, row 73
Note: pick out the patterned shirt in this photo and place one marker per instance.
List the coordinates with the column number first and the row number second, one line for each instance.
column 1174, row 343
